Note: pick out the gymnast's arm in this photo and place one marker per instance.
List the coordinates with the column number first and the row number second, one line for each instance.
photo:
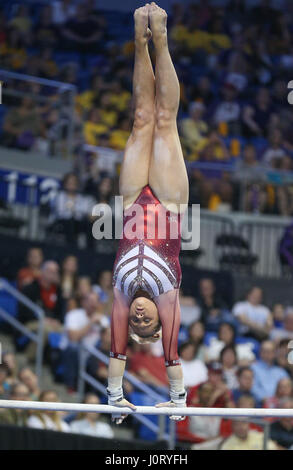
column 169, row 313
column 119, row 340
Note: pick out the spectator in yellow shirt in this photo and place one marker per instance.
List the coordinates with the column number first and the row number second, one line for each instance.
column 193, row 129
column 94, row 128
column 244, row 438
column 211, row 148
column 119, row 136
column 109, row 116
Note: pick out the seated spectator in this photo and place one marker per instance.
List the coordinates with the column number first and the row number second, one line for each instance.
column 221, row 396
column 9, row 359
column 94, row 128
column 81, row 32
column 243, row 438
column 45, row 32
column 71, row 212
column 32, row 271
column 211, row 148
column 286, row 332
column 228, row 111
column 62, row 11
column 284, row 390
column 90, row 424
column 247, row 166
column 255, row 319
column 21, row 22
column 119, row 136
column 266, row 374
column 200, row 429
column 245, row 383
column 46, row 293
column 282, row 353
column 16, row 417
column 69, row 273
column 29, row 378
column 21, row 125
column 104, row 286
column 193, row 128
column 190, row 311
column 257, row 115
column 278, row 315
column 51, row 420
column 81, row 325
column 149, row 368
column 4, row 385
column 212, row 305
column 228, row 360
column 194, row 370
column 226, row 336
column 281, row 431
column 196, row 333
column 83, row 287
column 275, row 152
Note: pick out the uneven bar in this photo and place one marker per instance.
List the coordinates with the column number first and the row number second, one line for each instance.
column 147, row 410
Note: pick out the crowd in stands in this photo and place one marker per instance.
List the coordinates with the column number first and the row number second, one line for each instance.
column 232, row 355
column 234, row 64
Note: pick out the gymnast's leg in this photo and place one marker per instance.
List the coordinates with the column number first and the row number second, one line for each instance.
column 135, row 166
column 167, row 177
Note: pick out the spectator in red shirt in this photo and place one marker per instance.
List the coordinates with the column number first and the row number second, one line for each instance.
column 148, row 367
column 32, row 271
column 46, row 293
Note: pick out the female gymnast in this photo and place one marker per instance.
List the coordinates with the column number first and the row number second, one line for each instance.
column 147, row 274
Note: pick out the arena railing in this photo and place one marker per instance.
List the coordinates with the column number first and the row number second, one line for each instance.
column 37, row 337
column 84, row 377
column 66, row 94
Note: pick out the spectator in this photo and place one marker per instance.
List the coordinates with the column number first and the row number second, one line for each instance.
column 275, row 152
column 196, row 333
column 149, row 368
column 245, row 377
column 21, row 125
column 255, row 319
column 190, row 311
column 228, row 110
column 4, row 385
column 244, row 438
column 32, row 271
column 69, row 273
column 81, row 325
column 83, row 288
column 256, row 117
column 193, row 128
column 81, row 32
column 221, row 396
column 94, row 128
column 211, row 148
column 29, row 378
column 286, row 332
column 16, row 417
column 228, row 359
column 62, row 11
column 45, row 32
column 282, row 353
column 9, row 359
column 71, row 211
column 281, row 431
column 211, row 304
column 194, row 370
column 266, row 374
column 51, row 420
column 90, row 423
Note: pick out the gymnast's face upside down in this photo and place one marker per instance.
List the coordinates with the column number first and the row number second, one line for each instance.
column 144, row 317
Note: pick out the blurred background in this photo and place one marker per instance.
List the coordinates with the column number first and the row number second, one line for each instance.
column 66, row 114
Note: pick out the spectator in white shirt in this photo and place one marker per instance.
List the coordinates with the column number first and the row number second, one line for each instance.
column 89, row 423
column 82, row 325
column 287, row 330
column 62, row 11
column 194, row 370
column 51, row 420
column 255, row 319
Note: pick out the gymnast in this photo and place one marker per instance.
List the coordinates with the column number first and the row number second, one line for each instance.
column 146, row 273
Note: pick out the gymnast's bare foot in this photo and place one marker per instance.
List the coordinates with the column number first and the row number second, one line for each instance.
column 141, row 20
column 158, row 23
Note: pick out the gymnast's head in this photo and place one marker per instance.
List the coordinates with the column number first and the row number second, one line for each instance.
column 144, row 321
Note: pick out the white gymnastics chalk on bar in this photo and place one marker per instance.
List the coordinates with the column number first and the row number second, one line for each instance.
column 147, row 410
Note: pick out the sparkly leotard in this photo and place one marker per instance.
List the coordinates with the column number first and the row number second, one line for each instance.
column 148, row 253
